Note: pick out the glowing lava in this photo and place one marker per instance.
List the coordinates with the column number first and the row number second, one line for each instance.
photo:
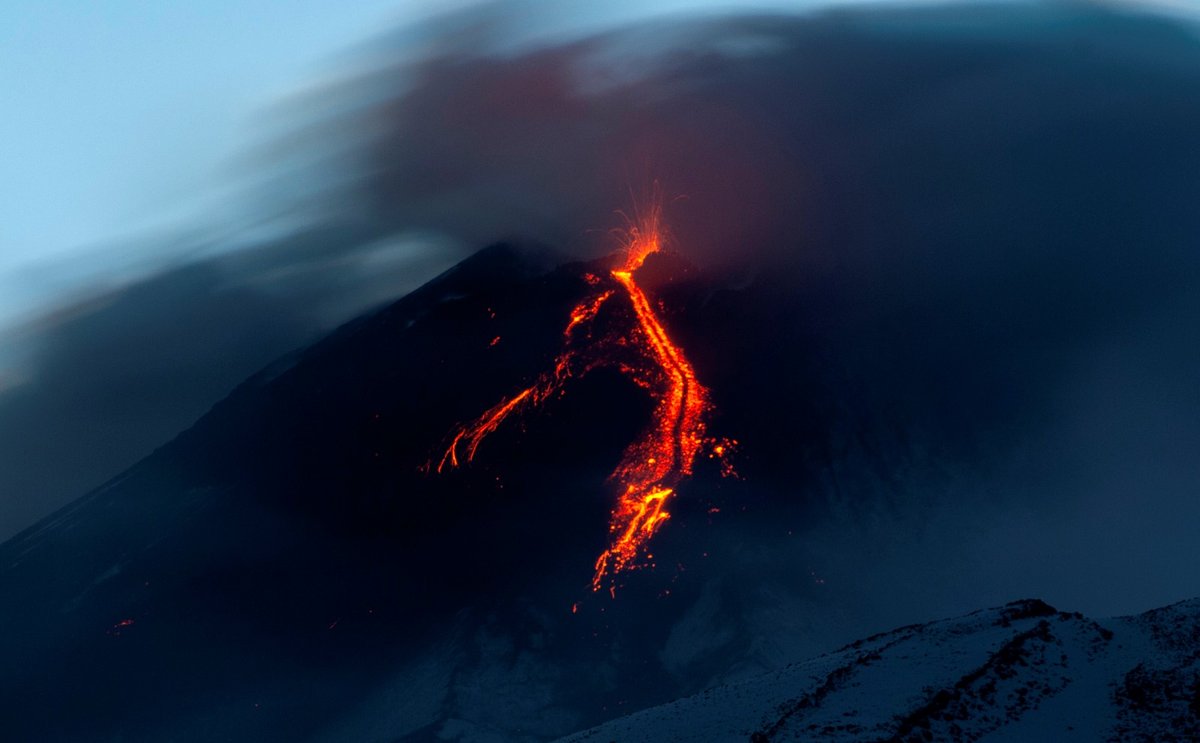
column 651, row 467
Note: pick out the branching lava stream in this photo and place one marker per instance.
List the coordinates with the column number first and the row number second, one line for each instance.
column 651, row 467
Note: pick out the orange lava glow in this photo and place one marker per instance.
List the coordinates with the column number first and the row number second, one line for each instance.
column 651, row 467
column 655, row 463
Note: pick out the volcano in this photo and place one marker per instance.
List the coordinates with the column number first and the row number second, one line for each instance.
column 294, row 567
column 289, row 566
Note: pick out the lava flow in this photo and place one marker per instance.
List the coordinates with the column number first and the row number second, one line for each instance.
column 651, row 467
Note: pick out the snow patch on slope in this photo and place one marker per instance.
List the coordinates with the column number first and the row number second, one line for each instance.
column 1024, row 671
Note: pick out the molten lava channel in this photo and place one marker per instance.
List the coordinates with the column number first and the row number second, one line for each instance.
column 654, row 464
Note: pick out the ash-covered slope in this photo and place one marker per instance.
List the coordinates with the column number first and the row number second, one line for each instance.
column 1020, row 672
column 285, row 569
column 261, row 574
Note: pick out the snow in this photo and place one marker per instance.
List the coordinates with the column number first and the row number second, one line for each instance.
column 1015, row 673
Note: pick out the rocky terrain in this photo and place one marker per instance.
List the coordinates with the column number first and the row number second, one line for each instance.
column 1021, row 672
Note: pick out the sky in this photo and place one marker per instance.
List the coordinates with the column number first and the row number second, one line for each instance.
column 126, row 120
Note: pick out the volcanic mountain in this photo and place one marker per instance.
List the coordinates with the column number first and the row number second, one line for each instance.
column 289, row 568
column 293, row 567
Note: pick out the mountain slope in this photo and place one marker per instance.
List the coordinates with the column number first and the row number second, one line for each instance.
column 1021, row 672
column 286, row 570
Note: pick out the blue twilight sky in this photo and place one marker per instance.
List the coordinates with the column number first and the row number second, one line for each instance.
column 125, row 119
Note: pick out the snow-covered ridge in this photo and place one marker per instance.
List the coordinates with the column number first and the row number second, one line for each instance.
column 1020, row 672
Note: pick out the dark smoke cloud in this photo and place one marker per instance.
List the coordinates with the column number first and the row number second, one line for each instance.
column 810, row 137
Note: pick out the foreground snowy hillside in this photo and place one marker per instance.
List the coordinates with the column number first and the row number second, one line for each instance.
column 1022, row 672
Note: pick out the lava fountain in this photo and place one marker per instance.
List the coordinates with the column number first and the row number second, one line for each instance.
column 654, row 464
